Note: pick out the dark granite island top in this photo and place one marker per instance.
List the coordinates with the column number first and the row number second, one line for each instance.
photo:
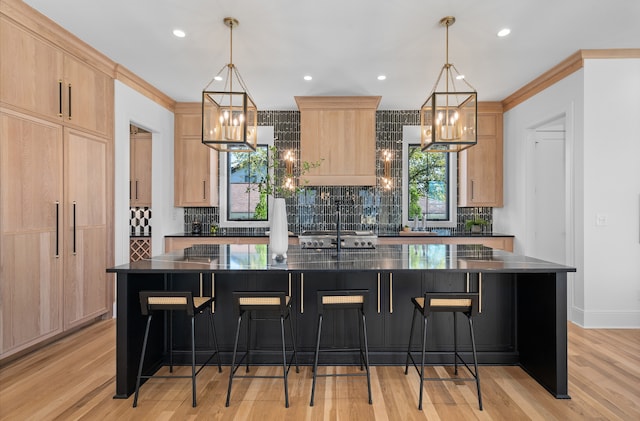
column 408, row 257
column 523, row 318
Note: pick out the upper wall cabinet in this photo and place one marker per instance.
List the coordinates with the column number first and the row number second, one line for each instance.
column 195, row 165
column 140, row 148
column 42, row 78
column 340, row 132
column 480, row 180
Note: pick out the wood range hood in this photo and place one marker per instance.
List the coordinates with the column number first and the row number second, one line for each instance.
column 341, row 132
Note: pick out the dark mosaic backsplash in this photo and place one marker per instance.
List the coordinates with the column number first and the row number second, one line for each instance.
column 365, row 208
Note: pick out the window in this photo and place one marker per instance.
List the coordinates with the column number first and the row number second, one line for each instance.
column 240, row 204
column 428, row 184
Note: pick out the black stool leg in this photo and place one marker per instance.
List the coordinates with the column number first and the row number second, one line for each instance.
column 424, row 345
column 360, row 336
column 233, row 359
column 293, row 341
column 315, row 359
column 413, row 321
column 212, row 326
column 248, row 342
column 170, row 341
column 193, row 360
column 475, row 361
column 366, row 355
column 455, row 344
column 144, row 350
column 284, row 363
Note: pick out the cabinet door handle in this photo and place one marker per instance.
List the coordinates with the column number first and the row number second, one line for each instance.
column 301, row 293
column 74, row 227
column 136, row 189
column 472, row 190
column 69, row 101
column 378, row 292
column 479, row 292
column 129, row 189
column 57, row 229
column 204, row 189
column 60, row 98
column 390, row 292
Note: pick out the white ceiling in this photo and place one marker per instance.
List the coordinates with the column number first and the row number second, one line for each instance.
column 344, row 44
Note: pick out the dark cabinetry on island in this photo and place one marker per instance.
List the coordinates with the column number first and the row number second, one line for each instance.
column 522, row 300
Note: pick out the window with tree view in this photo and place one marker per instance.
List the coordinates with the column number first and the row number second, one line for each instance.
column 428, row 185
column 244, row 171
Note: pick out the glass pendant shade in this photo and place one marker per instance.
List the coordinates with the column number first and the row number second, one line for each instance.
column 229, row 121
column 448, row 121
column 229, row 115
column 448, row 118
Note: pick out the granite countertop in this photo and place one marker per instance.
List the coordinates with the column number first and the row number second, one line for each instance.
column 439, row 233
column 402, row 257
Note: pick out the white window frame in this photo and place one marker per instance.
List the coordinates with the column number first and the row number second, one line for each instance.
column 411, row 136
column 265, row 138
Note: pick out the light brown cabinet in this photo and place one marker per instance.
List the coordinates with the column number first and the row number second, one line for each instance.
column 140, row 148
column 86, row 204
column 56, row 166
column 42, row 78
column 195, row 165
column 480, row 176
column 54, row 229
column 341, row 133
column 500, row 243
column 31, row 233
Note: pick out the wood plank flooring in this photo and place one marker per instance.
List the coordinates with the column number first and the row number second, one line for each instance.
column 73, row 379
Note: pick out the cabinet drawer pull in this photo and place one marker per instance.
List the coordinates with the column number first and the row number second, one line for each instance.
column 390, row 292
column 57, row 229
column 60, row 98
column 378, row 292
column 301, row 293
column 69, row 101
column 74, row 228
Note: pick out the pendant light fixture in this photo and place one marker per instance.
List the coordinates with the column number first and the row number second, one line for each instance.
column 448, row 118
column 229, row 115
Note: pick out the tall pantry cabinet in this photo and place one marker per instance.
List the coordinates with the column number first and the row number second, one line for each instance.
column 56, row 171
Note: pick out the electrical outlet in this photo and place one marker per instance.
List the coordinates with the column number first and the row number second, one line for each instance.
column 601, row 220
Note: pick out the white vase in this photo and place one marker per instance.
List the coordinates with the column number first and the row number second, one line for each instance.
column 279, row 230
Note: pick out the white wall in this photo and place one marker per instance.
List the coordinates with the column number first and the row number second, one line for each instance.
column 133, row 107
column 612, row 191
column 601, row 104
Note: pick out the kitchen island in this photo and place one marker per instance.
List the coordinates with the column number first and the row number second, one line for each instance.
column 523, row 319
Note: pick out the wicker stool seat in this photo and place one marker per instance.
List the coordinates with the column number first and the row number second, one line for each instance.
column 151, row 301
column 436, row 302
column 269, row 306
column 343, row 299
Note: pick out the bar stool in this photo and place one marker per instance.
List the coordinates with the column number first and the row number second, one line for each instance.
column 151, row 301
column 269, row 306
column 335, row 300
column 439, row 302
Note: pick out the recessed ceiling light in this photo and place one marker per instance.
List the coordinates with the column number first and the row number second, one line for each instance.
column 218, row 78
column 308, row 77
column 382, row 77
column 504, row 32
column 179, row 33
column 460, row 77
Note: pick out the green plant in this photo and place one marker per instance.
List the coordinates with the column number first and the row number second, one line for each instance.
column 469, row 223
column 273, row 178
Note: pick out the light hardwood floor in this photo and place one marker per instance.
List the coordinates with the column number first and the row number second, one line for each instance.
column 74, row 379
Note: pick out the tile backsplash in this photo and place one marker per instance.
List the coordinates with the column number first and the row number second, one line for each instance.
column 140, row 221
column 365, row 208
